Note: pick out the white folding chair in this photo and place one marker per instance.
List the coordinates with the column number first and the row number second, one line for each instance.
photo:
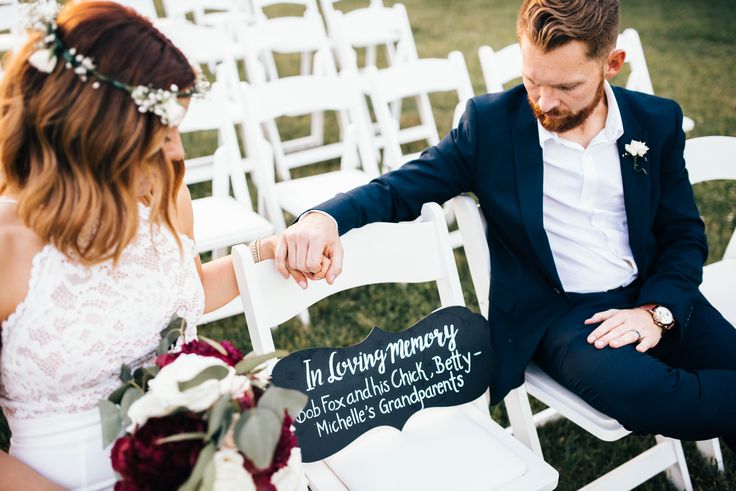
column 639, row 78
column 666, row 455
column 370, row 28
column 500, row 67
column 296, row 96
column 710, row 158
column 401, row 81
column 439, row 448
column 287, row 35
column 221, row 219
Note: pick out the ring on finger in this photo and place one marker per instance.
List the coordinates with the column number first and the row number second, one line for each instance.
column 638, row 334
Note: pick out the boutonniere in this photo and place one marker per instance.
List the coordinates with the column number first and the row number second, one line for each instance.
column 637, row 149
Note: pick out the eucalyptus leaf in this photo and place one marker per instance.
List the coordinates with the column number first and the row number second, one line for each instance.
column 148, row 374
column 181, row 437
column 279, row 400
column 125, row 373
column 216, row 372
column 257, row 433
column 117, row 394
column 206, row 456
column 110, row 420
column 129, row 397
column 220, row 411
column 247, row 364
column 215, row 345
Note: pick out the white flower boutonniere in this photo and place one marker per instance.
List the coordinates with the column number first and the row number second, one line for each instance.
column 637, row 149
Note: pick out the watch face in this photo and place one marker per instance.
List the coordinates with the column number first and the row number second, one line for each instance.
column 664, row 315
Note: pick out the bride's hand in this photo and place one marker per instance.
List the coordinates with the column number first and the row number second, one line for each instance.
column 267, row 250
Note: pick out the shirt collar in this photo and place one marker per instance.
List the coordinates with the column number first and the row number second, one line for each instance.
column 612, row 131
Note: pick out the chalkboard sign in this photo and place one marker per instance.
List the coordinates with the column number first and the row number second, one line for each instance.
column 443, row 360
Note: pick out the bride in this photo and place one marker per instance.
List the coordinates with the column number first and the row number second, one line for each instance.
column 96, row 242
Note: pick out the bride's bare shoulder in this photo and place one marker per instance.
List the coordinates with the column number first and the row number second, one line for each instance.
column 18, row 245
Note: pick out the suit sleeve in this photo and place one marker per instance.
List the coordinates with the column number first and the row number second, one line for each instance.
column 440, row 173
column 677, row 269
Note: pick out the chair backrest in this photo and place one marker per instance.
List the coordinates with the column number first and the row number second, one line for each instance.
column 472, row 227
column 203, row 45
column 711, row 158
column 415, row 252
column 415, row 78
column 639, row 78
column 500, row 67
column 307, row 94
column 369, row 28
column 210, row 114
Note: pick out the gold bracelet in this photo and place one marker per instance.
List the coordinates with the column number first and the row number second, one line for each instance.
column 255, row 251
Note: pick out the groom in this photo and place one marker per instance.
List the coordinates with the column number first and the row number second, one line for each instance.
column 596, row 243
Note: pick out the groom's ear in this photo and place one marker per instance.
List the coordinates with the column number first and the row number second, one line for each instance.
column 614, row 63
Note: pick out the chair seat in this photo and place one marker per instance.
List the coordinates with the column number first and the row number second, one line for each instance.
column 297, row 195
column 441, row 449
column 223, row 221
column 551, row 393
column 716, row 287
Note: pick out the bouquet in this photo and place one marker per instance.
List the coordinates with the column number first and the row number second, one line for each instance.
column 203, row 417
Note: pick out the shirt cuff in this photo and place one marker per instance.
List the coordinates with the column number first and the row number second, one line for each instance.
column 321, row 213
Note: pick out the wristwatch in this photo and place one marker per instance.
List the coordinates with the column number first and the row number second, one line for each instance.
column 661, row 316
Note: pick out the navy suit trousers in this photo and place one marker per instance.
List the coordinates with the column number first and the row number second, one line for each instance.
column 684, row 388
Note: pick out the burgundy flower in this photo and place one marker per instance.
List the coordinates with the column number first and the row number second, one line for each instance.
column 145, row 465
column 201, row 348
column 262, row 477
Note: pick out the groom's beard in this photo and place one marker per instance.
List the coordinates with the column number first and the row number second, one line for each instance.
column 565, row 120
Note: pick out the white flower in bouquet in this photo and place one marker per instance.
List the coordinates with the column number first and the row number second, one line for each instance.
column 230, row 473
column 170, row 389
column 290, row 478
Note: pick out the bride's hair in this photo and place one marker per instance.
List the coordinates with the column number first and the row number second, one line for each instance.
column 74, row 152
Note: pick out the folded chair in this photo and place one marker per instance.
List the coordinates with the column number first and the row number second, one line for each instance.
column 439, row 448
column 666, row 455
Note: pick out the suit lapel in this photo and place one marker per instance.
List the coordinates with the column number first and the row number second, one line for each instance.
column 529, row 181
column 637, row 185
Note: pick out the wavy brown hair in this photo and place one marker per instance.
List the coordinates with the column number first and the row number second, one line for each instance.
column 549, row 24
column 74, row 154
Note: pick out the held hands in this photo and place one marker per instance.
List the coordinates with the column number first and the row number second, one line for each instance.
column 311, row 248
column 621, row 327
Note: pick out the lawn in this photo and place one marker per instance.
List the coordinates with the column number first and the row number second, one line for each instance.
column 690, row 49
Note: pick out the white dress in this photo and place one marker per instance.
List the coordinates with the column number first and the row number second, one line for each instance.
column 63, row 347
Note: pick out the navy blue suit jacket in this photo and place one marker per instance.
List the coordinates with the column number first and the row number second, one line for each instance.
column 495, row 154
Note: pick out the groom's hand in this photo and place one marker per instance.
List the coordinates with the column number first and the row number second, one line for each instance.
column 621, row 327
column 308, row 246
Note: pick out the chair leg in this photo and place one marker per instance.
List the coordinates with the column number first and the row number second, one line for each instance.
column 677, row 473
column 711, row 450
column 522, row 420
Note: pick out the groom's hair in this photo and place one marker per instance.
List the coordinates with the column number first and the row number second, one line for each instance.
column 549, row 24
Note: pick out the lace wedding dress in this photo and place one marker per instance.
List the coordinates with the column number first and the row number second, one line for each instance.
column 63, row 347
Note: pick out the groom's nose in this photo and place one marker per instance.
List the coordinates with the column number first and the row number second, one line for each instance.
column 547, row 100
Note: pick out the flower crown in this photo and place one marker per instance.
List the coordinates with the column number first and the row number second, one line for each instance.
column 41, row 16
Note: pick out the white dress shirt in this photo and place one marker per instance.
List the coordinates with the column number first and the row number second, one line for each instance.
column 583, row 207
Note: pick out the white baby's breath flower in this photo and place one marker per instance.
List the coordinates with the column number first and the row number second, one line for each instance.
column 230, row 474
column 173, row 112
column 43, row 60
column 636, row 148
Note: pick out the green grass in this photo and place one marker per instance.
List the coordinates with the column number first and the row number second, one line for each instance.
column 690, row 49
